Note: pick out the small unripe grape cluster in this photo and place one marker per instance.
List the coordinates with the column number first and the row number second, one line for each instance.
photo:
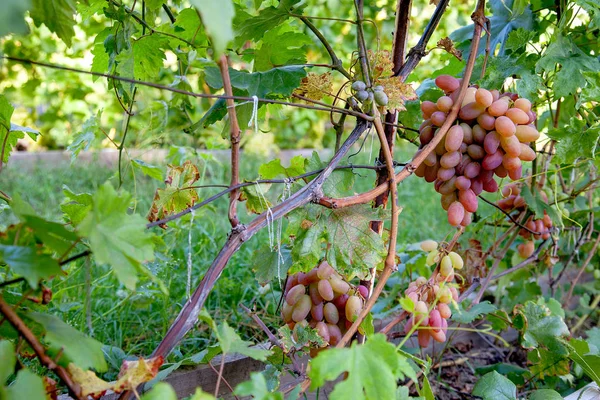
column 491, row 136
column 364, row 94
column 511, row 201
column 323, row 300
column 431, row 297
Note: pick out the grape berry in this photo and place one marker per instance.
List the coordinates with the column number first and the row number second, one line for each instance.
column 323, row 300
column 491, row 136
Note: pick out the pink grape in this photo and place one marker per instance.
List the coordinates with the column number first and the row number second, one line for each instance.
column 425, row 135
column 498, row 107
column 335, row 334
column 450, row 160
column 322, row 330
column 484, row 97
column 475, row 151
column 527, row 153
column 471, row 111
column 364, row 292
column 445, row 174
column 454, row 138
column 340, row 301
column 527, row 133
column 468, row 199
column 456, row 213
column 313, row 292
column 485, row 175
column 435, row 320
column 472, row 170
column 462, row 183
column 325, row 290
column 478, row 134
column 428, row 108
column 486, row 121
column 448, row 186
column 286, row 311
column 338, row 285
column 516, row 174
column 423, row 337
column 353, row 307
column 501, row 171
column 430, row 160
column 444, row 310
column 467, row 219
column 431, row 173
column 448, row 199
column 291, row 282
column 444, row 104
column 447, row 83
column 438, row 118
column 325, row 270
column 518, row 116
column 491, row 142
column 511, row 163
column 523, row 104
column 504, row 126
column 467, row 133
column 490, row 186
column 511, row 146
column 331, row 313
column 294, row 294
column 476, row 186
column 301, row 308
column 317, row 312
column 491, row 161
column 439, row 336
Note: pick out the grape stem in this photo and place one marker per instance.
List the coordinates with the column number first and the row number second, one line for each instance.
column 513, row 219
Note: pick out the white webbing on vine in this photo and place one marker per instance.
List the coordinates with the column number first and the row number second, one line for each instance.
column 254, row 116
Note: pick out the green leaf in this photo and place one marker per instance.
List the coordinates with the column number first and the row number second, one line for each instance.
column 27, row 386
column 499, row 319
column 576, row 140
column 75, row 206
column 147, row 169
column 338, row 183
column 231, row 342
column 281, row 47
column 275, row 82
column 29, row 263
column 537, row 205
column 116, row 237
column 591, row 91
column 52, row 234
column 519, row 39
column 90, row 131
column 187, row 26
column 57, row 15
column 300, row 338
column 547, row 363
column 268, row 18
column 573, row 61
column 545, row 394
column 366, row 327
column 6, row 112
column 199, row 394
column 593, row 10
column 9, row 359
column 274, row 169
column 543, row 328
column 255, row 198
column 217, row 17
column 87, row 10
column 160, row 391
column 373, row 369
column 76, row 347
column 493, row 386
column 268, row 264
column 579, row 352
column 10, row 133
column 12, row 17
column 462, row 316
column 257, row 388
column 144, row 59
column 593, row 337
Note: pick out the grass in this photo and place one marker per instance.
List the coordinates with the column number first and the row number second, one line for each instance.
column 136, row 321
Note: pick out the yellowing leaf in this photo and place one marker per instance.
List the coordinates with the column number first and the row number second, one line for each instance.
column 448, row 45
column 397, row 91
column 90, row 384
column 178, row 194
column 134, row 373
column 381, row 64
column 315, row 86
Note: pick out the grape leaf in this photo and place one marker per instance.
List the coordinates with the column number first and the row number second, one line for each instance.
column 593, row 10
column 518, row 39
column 76, row 347
column 537, row 204
column 54, row 235
column 27, row 386
column 231, row 343
column 254, row 196
column 90, row 384
column 217, row 18
column 254, row 28
column 178, row 193
column 187, row 26
column 267, row 264
column 10, row 133
column 75, row 206
column 493, row 386
column 275, row 82
column 504, row 20
column 542, row 327
column 315, row 86
column 303, row 337
column 338, row 183
column 116, row 237
column 160, row 391
column 573, row 62
column 274, row 169
column 545, row 394
column 373, row 369
column 462, row 316
column 199, row 394
column 86, row 10
column 57, row 15
column 144, row 59
column 147, row 169
column 576, row 140
column 29, row 263
column 591, row 91
column 594, row 337
column 102, row 55
column 547, row 363
column 90, row 131
column 9, row 359
column 280, row 47
column 580, row 352
column 12, row 17
column 257, row 388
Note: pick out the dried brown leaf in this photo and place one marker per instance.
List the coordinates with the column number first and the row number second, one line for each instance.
column 397, row 91
column 448, row 45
